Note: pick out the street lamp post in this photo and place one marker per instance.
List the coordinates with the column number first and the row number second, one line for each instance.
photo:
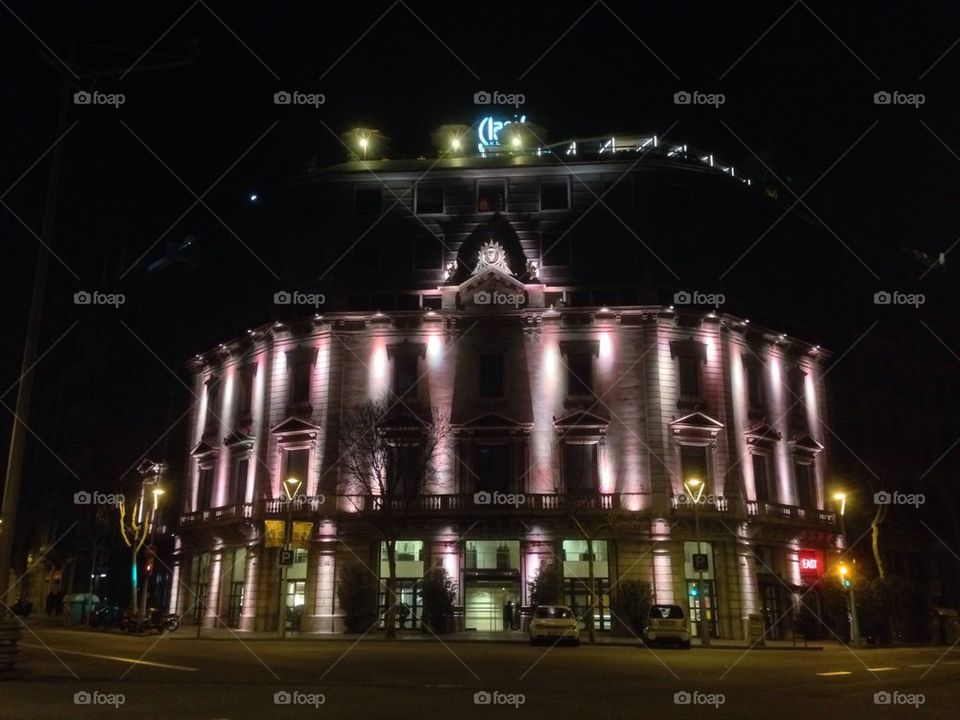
column 291, row 486
column 694, row 488
column 841, row 498
column 151, row 548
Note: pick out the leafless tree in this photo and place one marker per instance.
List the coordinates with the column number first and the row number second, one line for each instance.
column 390, row 458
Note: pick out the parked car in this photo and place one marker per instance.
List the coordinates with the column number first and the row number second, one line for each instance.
column 667, row 624
column 554, row 622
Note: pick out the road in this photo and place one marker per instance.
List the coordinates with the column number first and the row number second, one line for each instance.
column 180, row 677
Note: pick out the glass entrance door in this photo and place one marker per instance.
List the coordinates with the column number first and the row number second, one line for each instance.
column 702, row 604
column 492, row 606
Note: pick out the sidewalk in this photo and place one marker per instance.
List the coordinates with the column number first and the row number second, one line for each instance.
column 188, row 632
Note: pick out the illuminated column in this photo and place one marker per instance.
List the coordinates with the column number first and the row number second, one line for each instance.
column 749, row 592
column 211, row 611
column 173, row 606
column 248, row 613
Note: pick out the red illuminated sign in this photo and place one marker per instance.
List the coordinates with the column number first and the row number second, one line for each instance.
column 811, row 563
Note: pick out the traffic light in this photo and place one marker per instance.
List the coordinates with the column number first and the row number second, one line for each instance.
column 844, row 572
column 694, row 590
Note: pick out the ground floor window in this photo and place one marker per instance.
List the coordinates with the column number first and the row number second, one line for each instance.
column 409, row 603
column 773, row 609
column 579, row 598
column 236, row 604
column 702, row 596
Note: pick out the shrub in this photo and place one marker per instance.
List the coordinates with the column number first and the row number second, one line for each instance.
column 632, row 606
column 438, row 593
column 357, row 594
column 547, row 587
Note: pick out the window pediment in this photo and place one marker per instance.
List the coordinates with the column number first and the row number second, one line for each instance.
column 294, row 426
column 696, row 426
column 763, row 434
column 805, row 445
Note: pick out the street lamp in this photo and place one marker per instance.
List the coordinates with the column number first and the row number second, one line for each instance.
column 841, row 498
column 291, row 486
column 695, row 487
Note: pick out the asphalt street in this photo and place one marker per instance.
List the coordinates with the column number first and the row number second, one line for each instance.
column 87, row 674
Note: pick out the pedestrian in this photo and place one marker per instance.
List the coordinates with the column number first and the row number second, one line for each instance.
column 58, row 603
column 50, row 603
column 507, row 615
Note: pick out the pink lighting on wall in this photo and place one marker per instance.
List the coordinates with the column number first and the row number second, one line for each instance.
column 379, row 373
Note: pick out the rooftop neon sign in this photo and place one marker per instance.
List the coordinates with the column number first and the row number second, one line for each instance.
column 488, row 132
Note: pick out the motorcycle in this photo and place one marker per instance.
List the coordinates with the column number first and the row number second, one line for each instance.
column 155, row 620
column 106, row 615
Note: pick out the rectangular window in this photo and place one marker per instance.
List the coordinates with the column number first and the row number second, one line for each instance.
column 756, row 396
column 555, row 249
column 554, row 195
column 405, row 376
column 491, row 376
column 205, row 489
column 491, row 466
column 491, row 196
column 580, row 467
column 579, row 373
column 760, row 482
column 298, row 465
column 300, row 383
column 797, row 399
column 240, row 481
column 366, row 200
column 689, row 370
column 803, row 474
column 693, row 462
column 245, row 401
column 429, row 199
column 404, row 471
column 427, row 252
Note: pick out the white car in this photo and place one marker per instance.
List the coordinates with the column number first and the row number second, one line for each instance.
column 667, row 624
column 556, row 623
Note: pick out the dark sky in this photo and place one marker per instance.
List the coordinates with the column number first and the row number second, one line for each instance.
column 799, row 82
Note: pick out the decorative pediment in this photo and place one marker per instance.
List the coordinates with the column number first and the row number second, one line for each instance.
column 203, row 448
column 696, row 425
column 492, row 288
column 295, row 426
column 403, row 419
column 238, row 440
column 492, row 422
column 761, row 434
column 581, row 420
column 805, row 445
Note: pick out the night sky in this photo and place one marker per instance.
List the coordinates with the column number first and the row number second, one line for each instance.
column 798, row 78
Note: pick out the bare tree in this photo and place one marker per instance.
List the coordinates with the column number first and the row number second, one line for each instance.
column 389, row 462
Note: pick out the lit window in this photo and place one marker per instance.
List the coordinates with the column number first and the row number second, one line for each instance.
column 491, row 196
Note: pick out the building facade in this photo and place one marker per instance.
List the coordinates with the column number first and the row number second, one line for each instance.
column 492, row 296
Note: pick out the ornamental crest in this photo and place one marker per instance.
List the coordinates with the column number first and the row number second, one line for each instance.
column 492, row 255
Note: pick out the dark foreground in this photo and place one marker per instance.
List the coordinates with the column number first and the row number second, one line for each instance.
column 179, row 677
